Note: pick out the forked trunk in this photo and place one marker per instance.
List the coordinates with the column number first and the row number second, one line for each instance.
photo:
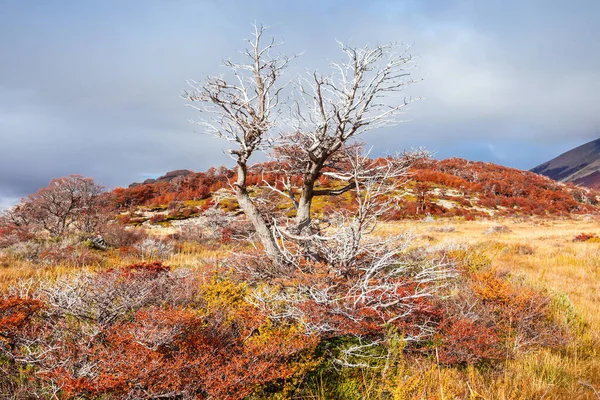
column 256, row 218
column 303, row 222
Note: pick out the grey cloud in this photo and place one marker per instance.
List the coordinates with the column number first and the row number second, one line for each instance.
column 92, row 87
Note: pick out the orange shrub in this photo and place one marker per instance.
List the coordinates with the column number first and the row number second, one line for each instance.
column 584, row 237
column 466, row 341
column 134, row 332
column 15, row 312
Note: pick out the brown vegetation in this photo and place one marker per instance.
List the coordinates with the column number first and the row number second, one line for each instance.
column 495, row 334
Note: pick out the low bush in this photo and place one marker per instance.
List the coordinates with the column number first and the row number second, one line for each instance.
column 145, row 331
column 584, row 237
column 522, row 249
column 444, row 229
column 151, row 249
column 119, row 236
column 73, row 256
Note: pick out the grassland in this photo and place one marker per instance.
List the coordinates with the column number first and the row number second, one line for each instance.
column 540, row 252
column 556, row 262
column 544, row 254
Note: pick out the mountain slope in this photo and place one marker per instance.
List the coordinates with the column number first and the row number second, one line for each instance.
column 580, row 165
column 453, row 187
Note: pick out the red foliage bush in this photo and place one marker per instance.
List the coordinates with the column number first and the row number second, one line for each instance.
column 152, row 269
column 15, row 312
column 137, row 332
column 225, row 235
column 16, row 316
column 341, row 310
column 465, row 341
column 182, row 352
column 584, row 237
column 492, row 317
column 470, row 217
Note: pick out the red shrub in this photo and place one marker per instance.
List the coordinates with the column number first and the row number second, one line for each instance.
column 584, row 237
column 465, row 341
column 185, row 352
column 150, row 269
column 469, row 217
column 14, row 314
column 225, row 234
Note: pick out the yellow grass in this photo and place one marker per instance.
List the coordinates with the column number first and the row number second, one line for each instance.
column 569, row 271
column 558, row 263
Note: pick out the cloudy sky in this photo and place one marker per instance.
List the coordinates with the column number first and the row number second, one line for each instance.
column 92, row 87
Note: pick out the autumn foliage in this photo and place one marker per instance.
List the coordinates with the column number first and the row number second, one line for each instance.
column 584, row 237
column 493, row 317
column 451, row 187
column 15, row 312
column 145, row 332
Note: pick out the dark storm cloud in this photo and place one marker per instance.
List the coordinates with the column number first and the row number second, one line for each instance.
column 92, row 87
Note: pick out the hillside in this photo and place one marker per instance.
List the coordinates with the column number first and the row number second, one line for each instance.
column 453, row 188
column 177, row 294
column 580, row 166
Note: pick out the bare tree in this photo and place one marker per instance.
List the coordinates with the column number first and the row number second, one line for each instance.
column 339, row 276
column 374, row 184
column 91, row 211
column 242, row 111
column 356, row 274
column 330, row 111
column 66, row 201
column 327, row 113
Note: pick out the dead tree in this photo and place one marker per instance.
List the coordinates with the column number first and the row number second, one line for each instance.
column 331, row 111
column 359, row 277
column 327, row 113
column 242, row 111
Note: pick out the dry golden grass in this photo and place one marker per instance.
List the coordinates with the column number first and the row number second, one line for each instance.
column 557, row 263
column 542, row 252
column 17, row 271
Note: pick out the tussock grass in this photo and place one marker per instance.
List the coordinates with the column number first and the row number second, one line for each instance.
column 541, row 253
column 544, row 255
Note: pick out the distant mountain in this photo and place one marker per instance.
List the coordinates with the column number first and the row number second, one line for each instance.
column 580, row 166
column 168, row 177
